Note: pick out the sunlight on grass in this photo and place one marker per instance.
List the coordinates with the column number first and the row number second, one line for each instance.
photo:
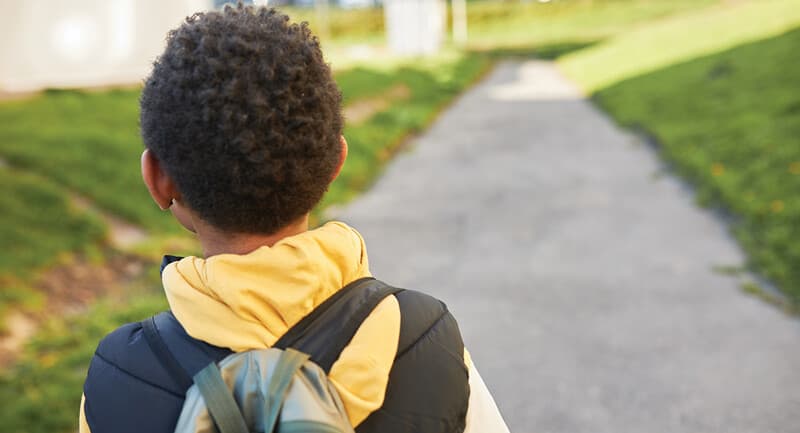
column 679, row 38
column 500, row 24
column 729, row 124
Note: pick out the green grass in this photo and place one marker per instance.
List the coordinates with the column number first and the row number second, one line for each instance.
column 39, row 222
column 679, row 38
column 730, row 122
column 60, row 145
column 42, row 392
column 37, row 226
column 725, row 118
column 86, row 142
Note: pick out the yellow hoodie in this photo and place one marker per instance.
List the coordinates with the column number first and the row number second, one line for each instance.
column 245, row 302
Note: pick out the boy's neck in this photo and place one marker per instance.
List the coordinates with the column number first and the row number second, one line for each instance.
column 216, row 242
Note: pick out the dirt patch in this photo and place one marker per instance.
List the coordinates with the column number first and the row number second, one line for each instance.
column 71, row 288
column 20, row 328
column 121, row 233
column 68, row 289
column 363, row 109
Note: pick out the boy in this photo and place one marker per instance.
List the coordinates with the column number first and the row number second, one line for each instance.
column 242, row 126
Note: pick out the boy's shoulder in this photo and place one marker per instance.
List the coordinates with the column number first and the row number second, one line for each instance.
column 128, row 389
column 127, row 350
column 125, row 388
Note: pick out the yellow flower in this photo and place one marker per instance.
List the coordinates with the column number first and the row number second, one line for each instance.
column 717, row 169
column 777, row 206
column 794, row 167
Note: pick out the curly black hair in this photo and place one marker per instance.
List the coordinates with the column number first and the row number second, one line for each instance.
column 243, row 113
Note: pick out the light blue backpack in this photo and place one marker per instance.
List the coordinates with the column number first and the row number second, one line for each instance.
column 282, row 389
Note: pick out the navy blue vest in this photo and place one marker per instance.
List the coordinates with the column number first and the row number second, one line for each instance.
column 128, row 389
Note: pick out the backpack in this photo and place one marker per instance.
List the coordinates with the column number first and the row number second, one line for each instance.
column 281, row 389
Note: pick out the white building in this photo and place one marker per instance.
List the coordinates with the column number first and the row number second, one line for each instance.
column 84, row 43
column 415, row 27
column 92, row 43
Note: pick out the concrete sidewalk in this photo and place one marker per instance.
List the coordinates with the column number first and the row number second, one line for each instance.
column 583, row 280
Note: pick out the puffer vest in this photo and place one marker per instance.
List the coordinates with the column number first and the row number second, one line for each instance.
column 129, row 390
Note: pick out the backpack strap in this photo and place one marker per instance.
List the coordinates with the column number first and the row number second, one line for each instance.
column 288, row 364
column 219, row 401
column 327, row 330
column 322, row 334
column 180, row 354
column 162, row 352
column 223, row 407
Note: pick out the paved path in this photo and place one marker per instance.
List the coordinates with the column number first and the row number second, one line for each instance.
column 581, row 277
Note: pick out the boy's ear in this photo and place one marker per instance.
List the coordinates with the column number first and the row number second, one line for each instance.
column 342, row 157
column 158, row 182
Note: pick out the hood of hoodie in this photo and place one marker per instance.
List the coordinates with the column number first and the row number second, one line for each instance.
column 248, row 301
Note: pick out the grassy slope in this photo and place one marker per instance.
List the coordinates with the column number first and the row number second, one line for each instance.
column 39, row 222
column 726, row 121
column 730, row 122
column 679, row 38
column 86, row 142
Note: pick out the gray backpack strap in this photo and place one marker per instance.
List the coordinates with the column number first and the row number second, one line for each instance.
column 219, row 401
column 288, row 364
column 327, row 330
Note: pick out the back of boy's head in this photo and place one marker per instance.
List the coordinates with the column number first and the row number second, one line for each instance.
column 243, row 113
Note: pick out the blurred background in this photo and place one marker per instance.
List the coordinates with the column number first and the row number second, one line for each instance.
column 714, row 85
